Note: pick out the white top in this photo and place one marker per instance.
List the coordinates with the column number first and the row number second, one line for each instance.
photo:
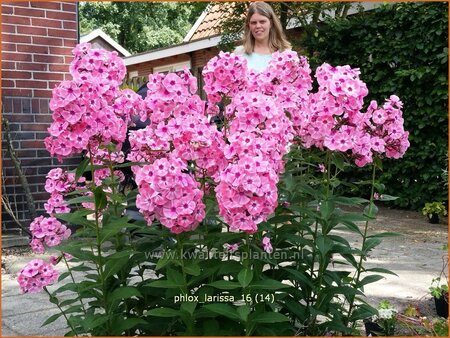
column 255, row 61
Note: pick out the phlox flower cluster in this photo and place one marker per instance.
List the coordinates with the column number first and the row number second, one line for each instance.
column 179, row 127
column 36, row 275
column 258, row 138
column 287, row 77
column 48, row 231
column 58, row 183
column 387, row 131
column 225, row 74
column 90, row 109
column 169, row 194
column 331, row 118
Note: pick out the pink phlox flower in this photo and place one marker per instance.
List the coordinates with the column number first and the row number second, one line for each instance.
column 267, row 245
column 231, row 248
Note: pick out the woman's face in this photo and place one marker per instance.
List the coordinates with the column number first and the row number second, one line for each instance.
column 260, row 27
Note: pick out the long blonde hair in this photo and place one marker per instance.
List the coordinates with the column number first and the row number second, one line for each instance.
column 277, row 38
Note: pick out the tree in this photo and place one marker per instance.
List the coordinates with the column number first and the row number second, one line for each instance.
column 141, row 26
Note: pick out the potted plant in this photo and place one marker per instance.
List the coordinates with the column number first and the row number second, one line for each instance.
column 382, row 324
column 440, row 293
column 432, row 210
column 439, row 287
column 413, row 321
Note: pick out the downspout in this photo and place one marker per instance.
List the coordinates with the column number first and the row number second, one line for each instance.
column 78, row 21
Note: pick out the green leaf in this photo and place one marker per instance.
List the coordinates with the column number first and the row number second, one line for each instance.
column 127, row 324
column 112, row 228
column 245, row 277
column 164, row 284
column 299, row 276
column 162, row 312
column 350, row 200
column 225, row 310
column 370, row 244
column 326, row 208
column 51, row 319
column 381, row 270
column 175, row 277
column 94, row 321
column 80, row 199
column 125, row 292
column 281, row 219
column 324, row 244
column 243, row 312
column 113, row 266
column 100, row 198
column 268, row 284
column 68, row 302
column 76, row 218
column 371, row 210
column 385, row 234
column 225, row 285
column 268, row 317
column 338, row 160
column 63, row 276
column 385, row 197
column 188, row 307
column 164, row 260
column 368, row 280
column 81, row 168
column 192, row 268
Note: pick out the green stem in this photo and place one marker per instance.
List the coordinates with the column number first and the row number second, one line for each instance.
column 73, row 280
column 189, row 324
column 56, row 302
column 99, row 248
column 362, row 256
column 183, row 270
column 113, row 186
column 328, row 173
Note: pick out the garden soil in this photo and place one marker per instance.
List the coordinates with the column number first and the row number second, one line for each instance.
column 416, row 256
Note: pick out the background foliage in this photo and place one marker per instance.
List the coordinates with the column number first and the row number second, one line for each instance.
column 402, row 49
column 141, row 26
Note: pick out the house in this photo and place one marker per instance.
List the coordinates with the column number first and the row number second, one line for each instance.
column 100, row 40
column 37, row 43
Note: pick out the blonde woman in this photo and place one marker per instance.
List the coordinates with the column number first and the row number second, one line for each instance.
column 263, row 35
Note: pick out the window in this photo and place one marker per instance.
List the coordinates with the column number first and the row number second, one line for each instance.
column 174, row 67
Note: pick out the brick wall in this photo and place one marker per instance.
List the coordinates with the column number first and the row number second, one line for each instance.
column 37, row 40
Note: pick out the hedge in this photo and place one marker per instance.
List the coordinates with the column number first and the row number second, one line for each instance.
column 401, row 49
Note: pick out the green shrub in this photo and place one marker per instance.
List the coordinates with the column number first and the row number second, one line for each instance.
column 401, row 48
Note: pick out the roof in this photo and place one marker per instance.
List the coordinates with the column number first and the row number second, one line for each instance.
column 99, row 33
column 160, row 53
column 209, row 22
